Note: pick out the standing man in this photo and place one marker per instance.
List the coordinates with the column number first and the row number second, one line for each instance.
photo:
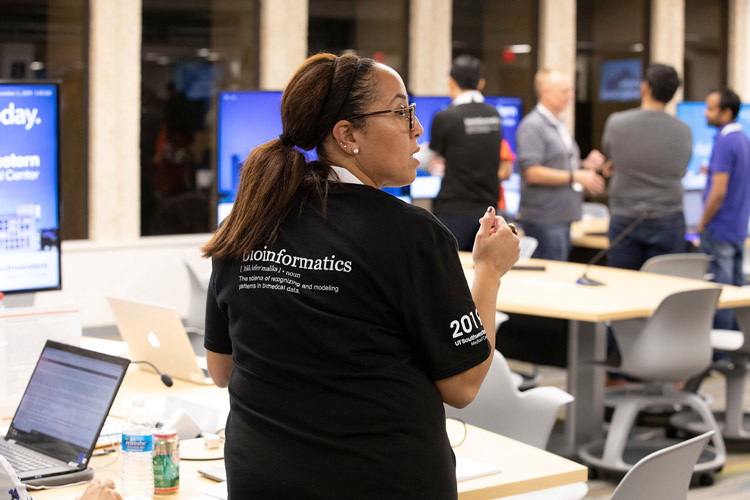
column 552, row 174
column 467, row 136
column 647, row 154
column 726, row 197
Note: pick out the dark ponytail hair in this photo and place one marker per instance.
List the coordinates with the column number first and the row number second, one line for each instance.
column 276, row 176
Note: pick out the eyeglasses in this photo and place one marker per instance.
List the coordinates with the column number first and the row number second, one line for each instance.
column 406, row 113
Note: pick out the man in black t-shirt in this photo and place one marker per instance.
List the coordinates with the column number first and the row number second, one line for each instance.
column 468, row 136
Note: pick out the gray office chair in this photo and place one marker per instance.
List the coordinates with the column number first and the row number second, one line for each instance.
column 671, row 346
column 734, row 422
column 684, row 265
column 527, row 245
column 500, row 407
column 526, row 416
column 195, row 322
column 592, row 210
column 664, row 474
column 530, row 379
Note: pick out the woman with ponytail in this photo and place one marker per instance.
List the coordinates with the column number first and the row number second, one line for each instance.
column 339, row 316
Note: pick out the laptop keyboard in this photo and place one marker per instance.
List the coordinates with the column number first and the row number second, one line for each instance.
column 22, row 460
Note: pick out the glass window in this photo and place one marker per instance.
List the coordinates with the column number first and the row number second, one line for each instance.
column 611, row 55
column 372, row 28
column 503, row 35
column 705, row 47
column 46, row 39
column 190, row 51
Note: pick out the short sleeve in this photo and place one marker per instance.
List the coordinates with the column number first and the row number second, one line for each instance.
column 530, row 145
column 216, row 338
column 721, row 157
column 606, row 146
column 442, row 322
column 438, row 134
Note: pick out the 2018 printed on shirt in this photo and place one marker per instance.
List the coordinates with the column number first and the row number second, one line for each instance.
column 468, row 324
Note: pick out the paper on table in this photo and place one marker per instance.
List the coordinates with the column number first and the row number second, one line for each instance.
column 218, row 490
column 469, row 469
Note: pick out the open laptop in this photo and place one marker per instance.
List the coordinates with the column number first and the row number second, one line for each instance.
column 155, row 333
column 61, row 414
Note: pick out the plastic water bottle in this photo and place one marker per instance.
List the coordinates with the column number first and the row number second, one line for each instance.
column 137, row 454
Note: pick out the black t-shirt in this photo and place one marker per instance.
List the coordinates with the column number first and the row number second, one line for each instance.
column 337, row 332
column 468, row 136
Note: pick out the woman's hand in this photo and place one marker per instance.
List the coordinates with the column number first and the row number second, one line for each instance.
column 496, row 248
column 100, row 490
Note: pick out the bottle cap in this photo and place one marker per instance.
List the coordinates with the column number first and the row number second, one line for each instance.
column 165, row 433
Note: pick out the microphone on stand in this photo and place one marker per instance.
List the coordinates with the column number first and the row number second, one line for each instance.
column 166, row 379
column 584, row 279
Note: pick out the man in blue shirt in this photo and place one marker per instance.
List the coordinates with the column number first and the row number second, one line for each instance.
column 726, row 198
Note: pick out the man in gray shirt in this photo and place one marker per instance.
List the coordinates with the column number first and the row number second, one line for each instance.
column 549, row 161
column 647, row 154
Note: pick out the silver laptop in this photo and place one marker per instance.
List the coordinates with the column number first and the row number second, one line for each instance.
column 61, row 414
column 155, row 333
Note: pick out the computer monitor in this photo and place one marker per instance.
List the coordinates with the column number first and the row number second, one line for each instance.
column 691, row 112
column 620, row 80
column 246, row 120
column 29, row 186
column 511, row 112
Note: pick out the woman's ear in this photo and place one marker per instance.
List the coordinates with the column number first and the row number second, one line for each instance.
column 345, row 136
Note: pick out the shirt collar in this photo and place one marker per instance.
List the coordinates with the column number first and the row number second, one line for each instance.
column 545, row 112
column 730, row 127
column 467, row 97
column 342, row 175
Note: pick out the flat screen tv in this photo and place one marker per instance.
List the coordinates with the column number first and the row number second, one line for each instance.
column 620, row 80
column 29, row 186
column 250, row 118
column 511, row 112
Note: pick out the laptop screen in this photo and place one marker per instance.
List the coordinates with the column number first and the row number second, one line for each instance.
column 67, row 401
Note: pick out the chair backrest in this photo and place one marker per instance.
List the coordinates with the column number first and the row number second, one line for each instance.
column 196, row 319
column 664, row 474
column 527, row 245
column 743, row 321
column 684, row 265
column 673, row 344
column 592, row 210
column 500, row 407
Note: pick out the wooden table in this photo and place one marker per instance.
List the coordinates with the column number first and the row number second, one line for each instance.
column 587, row 233
column 553, row 293
column 523, row 467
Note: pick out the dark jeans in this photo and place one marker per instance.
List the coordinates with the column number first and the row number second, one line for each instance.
column 652, row 237
column 464, row 226
column 726, row 268
column 553, row 238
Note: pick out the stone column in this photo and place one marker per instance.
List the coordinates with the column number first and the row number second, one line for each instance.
column 739, row 48
column 430, row 48
column 668, row 39
column 66, row 52
column 283, row 41
column 114, row 119
column 557, row 43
